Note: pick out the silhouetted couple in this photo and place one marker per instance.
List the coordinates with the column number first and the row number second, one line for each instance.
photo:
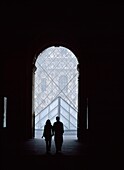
column 57, row 131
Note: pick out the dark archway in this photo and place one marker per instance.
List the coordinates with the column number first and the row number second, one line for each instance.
column 82, row 98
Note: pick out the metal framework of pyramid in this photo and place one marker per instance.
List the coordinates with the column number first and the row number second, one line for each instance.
column 56, row 87
column 58, row 107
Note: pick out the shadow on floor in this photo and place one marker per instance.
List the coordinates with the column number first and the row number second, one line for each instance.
column 32, row 154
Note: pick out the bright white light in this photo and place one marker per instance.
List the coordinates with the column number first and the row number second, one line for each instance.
column 87, row 115
column 56, row 78
column 5, row 110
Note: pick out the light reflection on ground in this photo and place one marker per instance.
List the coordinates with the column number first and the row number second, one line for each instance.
column 67, row 134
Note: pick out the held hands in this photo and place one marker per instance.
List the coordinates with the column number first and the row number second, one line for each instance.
column 52, row 134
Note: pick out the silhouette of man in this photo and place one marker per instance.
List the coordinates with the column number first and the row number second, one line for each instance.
column 58, row 131
column 47, row 133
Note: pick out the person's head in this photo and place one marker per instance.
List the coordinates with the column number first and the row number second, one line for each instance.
column 48, row 122
column 57, row 118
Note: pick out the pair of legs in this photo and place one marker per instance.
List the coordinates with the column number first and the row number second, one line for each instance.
column 58, row 143
column 48, row 145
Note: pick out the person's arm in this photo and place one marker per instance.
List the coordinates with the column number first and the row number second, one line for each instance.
column 43, row 132
column 62, row 128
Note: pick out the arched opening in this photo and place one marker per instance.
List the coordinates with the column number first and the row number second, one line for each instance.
column 55, row 89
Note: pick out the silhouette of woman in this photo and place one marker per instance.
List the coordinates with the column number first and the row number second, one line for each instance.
column 47, row 134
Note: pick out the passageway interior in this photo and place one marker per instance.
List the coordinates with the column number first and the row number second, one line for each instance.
column 94, row 33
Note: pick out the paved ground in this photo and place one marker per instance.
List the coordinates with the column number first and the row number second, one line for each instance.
column 32, row 154
column 71, row 147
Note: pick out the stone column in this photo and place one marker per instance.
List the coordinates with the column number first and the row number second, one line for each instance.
column 33, row 111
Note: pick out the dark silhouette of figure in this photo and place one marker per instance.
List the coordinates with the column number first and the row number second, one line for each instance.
column 58, row 131
column 47, row 134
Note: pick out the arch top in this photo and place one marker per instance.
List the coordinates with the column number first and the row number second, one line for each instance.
column 57, row 51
